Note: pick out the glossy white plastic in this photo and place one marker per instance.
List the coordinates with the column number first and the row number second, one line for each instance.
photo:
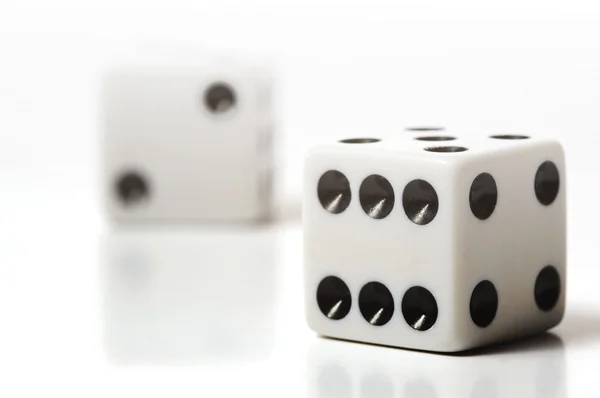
column 449, row 255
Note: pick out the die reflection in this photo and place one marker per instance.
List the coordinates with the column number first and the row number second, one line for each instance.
column 188, row 296
column 532, row 368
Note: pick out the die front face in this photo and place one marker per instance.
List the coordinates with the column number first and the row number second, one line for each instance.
column 379, row 248
column 187, row 143
column 419, row 244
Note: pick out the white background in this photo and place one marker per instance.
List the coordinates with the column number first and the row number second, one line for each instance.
column 346, row 68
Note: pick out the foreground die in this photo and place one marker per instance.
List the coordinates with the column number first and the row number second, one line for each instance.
column 435, row 242
column 188, row 142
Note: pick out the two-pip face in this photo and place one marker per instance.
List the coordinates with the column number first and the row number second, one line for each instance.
column 186, row 143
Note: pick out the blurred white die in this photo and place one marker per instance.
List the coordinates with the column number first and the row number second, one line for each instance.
column 188, row 142
column 435, row 241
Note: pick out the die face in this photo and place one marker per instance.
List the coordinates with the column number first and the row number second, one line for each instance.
column 477, row 257
column 379, row 248
column 184, row 143
column 510, row 246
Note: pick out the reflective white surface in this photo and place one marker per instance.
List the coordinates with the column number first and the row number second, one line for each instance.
column 530, row 368
column 218, row 311
column 228, row 302
column 188, row 297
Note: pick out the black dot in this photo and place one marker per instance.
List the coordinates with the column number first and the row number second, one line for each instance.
column 509, row 137
column 334, row 298
column 547, row 183
column 376, row 196
column 547, row 288
column 376, row 303
column 420, row 202
column 131, row 188
column 425, row 128
column 436, row 138
column 483, row 196
column 219, row 98
column 334, row 192
column 360, row 140
column 419, row 308
column 446, row 149
column 484, row 304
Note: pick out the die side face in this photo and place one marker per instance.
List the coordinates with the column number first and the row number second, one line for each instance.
column 186, row 143
column 513, row 261
column 468, row 257
column 379, row 248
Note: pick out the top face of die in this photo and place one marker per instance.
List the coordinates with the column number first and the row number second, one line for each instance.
column 438, row 146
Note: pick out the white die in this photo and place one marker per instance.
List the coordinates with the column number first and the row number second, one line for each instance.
column 188, row 142
column 435, row 242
